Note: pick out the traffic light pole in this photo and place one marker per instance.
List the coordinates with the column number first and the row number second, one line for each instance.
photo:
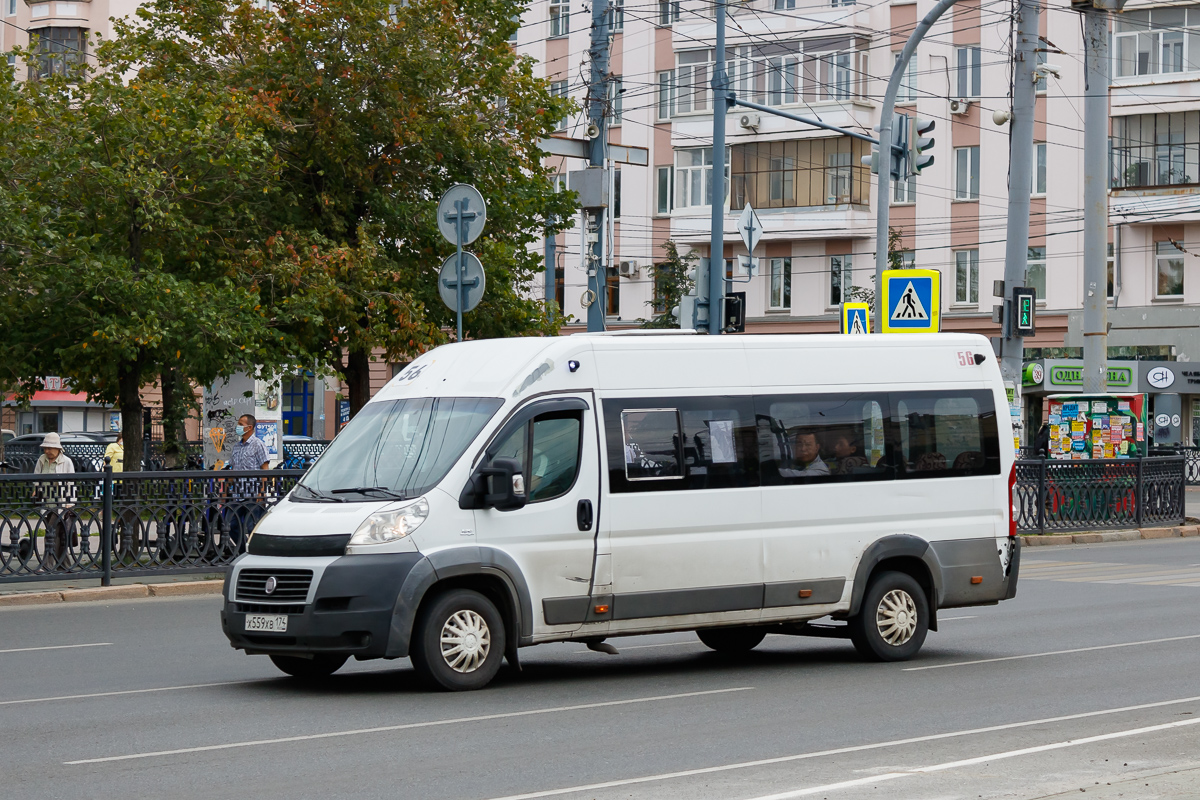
column 594, row 218
column 883, row 199
column 716, row 250
column 1020, row 186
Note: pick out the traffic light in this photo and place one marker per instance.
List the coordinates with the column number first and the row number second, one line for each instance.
column 1024, row 305
column 872, row 160
column 919, row 142
column 898, row 159
column 694, row 307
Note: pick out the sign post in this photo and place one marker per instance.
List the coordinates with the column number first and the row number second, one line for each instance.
column 856, row 318
column 911, row 301
column 461, row 216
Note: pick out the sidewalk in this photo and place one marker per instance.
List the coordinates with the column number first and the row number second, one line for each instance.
column 69, row 590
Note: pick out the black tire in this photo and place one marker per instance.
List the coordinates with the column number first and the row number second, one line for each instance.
column 446, row 666
column 883, row 629
column 732, row 640
column 321, row 665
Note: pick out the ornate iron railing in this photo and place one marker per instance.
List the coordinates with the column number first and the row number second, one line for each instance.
column 1099, row 494
column 100, row 524
column 301, row 455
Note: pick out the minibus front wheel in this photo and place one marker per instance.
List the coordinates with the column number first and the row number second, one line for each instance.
column 732, row 640
column 893, row 620
column 321, row 665
column 458, row 641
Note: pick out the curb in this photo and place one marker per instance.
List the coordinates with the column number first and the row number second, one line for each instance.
column 1099, row 537
column 131, row 591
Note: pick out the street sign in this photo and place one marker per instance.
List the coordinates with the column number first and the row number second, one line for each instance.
column 750, row 229
column 912, row 301
column 856, row 318
column 747, row 266
column 473, row 282
column 1024, row 311
column 473, row 209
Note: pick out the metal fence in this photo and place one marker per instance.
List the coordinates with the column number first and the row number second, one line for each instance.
column 1191, row 456
column 21, row 457
column 1099, row 494
column 97, row 524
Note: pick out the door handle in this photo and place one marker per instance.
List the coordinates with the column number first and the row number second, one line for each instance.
column 583, row 515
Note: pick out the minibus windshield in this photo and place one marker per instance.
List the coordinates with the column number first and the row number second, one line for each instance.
column 396, row 449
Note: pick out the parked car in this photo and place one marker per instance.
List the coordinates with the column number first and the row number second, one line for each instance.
column 6, row 435
column 73, row 437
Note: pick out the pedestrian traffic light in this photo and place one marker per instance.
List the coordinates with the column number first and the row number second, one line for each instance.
column 919, row 142
column 1024, row 305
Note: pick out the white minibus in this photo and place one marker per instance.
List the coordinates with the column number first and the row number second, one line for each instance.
column 504, row 493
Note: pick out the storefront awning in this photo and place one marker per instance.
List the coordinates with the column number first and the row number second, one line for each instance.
column 57, row 399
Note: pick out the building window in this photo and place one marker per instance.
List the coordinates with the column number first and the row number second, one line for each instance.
column 691, row 80
column 904, row 191
column 783, row 80
column 907, row 92
column 1039, row 168
column 1035, row 271
column 10, row 8
column 796, row 72
column 966, row 276
column 617, row 9
column 60, row 51
column 560, row 17
column 616, row 102
column 1111, row 269
column 839, row 3
column 668, row 11
column 800, row 174
column 666, row 94
column 967, row 71
column 560, row 89
column 1156, row 149
column 559, row 182
column 785, row 5
column 664, row 190
column 841, row 279
column 693, row 177
column 1168, row 259
column 512, row 37
column 612, row 297
column 1157, row 41
column 966, row 173
column 908, row 259
column 781, row 284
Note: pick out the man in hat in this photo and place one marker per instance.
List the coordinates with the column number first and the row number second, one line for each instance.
column 59, row 520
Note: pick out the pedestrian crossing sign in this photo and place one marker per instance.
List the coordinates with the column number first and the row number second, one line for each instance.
column 856, row 318
column 912, row 301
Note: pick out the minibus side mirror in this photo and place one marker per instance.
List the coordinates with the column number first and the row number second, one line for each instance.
column 506, row 477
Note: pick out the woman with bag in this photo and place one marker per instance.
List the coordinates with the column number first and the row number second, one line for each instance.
column 59, row 518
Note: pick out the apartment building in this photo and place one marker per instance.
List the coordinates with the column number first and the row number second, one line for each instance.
column 830, row 59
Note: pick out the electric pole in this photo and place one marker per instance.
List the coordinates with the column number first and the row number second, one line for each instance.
column 594, row 218
column 1020, row 185
column 716, row 260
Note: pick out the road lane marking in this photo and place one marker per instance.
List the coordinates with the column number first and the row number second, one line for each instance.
column 1051, row 653
column 842, row 750
column 951, row 619
column 130, row 691
column 55, row 647
column 409, row 726
column 969, row 762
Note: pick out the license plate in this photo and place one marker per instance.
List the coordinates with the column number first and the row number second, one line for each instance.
column 272, row 623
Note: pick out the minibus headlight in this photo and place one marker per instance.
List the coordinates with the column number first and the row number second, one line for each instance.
column 391, row 524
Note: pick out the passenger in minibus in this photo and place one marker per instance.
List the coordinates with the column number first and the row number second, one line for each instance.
column 806, row 461
column 847, row 454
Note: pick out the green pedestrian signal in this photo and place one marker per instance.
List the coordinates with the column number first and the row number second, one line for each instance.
column 1024, row 311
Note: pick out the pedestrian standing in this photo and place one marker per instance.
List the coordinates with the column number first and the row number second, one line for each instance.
column 59, row 518
column 248, row 453
column 115, row 453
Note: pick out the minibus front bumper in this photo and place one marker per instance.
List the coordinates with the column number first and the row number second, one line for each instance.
column 348, row 606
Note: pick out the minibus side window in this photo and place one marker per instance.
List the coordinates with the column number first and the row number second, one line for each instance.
column 945, row 434
column 822, row 438
column 720, row 443
column 650, row 439
column 548, row 450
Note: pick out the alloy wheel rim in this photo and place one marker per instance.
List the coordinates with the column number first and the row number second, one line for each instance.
column 896, row 617
column 466, row 641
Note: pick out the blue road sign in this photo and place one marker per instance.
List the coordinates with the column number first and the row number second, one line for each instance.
column 912, row 301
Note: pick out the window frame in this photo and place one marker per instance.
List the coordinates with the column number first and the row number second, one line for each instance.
column 1038, row 175
column 561, row 88
column 782, row 266
column 907, row 91
column 904, row 192
column 1159, row 258
column 972, row 276
column 560, row 22
column 668, row 13
column 665, row 99
column 968, row 72
column 972, row 178
column 664, row 205
column 1032, row 262
column 843, row 271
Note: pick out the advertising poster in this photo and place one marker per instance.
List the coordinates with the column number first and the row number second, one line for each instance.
column 1096, row 426
column 269, row 433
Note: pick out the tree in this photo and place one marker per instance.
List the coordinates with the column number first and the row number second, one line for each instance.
column 127, row 209
column 671, row 284
column 385, row 106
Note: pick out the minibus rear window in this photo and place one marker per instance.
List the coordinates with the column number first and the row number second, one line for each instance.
column 825, row 438
column 945, row 434
column 405, row 446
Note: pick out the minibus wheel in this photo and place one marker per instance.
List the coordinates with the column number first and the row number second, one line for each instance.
column 731, row 640
column 894, row 618
column 459, row 641
column 321, row 665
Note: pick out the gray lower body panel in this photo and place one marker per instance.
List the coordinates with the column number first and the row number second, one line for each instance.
column 966, row 560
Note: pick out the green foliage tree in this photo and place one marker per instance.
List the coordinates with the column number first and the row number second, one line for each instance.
column 384, row 106
column 671, row 283
column 127, row 209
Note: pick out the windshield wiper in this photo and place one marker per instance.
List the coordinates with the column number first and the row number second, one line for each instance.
column 367, row 489
column 318, row 495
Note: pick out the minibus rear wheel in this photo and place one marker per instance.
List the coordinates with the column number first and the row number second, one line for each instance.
column 459, row 641
column 321, row 665
column 732, row 640
column 894, row 618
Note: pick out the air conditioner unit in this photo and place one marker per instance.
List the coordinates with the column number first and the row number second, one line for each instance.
column 751, row 121
column 960, row 106
column 628, row 269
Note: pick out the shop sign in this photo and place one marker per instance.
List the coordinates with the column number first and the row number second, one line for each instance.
column 1033, row 374
column 1191, row 376
column 1118, row 377
column 1160, row 377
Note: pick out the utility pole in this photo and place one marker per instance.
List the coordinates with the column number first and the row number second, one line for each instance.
column 1095, row 192
column 551, row 267
column 594, row 217
column 1020, row 184
column 716, row 260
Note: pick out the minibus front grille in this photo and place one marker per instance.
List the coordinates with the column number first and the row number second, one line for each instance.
column 264, row 608
column 287, row 585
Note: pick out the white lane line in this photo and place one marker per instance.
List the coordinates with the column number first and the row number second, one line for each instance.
column 410, row 725
column 1051, row 653
column 968, row 762
column 55, row 647
column 129, row 691
column 843, row 750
